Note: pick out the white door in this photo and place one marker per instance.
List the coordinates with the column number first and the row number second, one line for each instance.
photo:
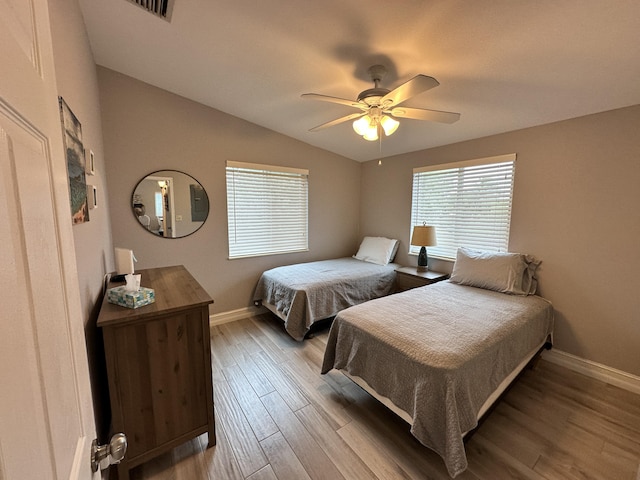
column 46, row 415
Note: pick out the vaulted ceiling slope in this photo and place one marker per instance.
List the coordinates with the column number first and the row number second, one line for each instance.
column 503, row 64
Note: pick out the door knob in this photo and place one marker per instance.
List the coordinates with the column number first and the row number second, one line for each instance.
column 110, row 454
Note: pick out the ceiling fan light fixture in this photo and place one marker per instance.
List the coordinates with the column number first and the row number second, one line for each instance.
column 362, row 124
column 371, row 134
column 389, row 125
column 367, row 126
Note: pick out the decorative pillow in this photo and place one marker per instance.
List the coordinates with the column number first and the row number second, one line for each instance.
column 529, row 280
column 378, row 250
column 512, row 273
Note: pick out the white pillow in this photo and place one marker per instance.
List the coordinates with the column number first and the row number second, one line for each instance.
column 504, row 272
column 378, row 250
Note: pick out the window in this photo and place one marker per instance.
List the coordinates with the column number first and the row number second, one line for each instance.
column 469, row 203
column 267, row 209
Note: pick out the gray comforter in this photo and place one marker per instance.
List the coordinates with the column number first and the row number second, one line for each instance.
column 307, row 292
column 438, row 352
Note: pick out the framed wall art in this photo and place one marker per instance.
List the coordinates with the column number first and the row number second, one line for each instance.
column 74, row 151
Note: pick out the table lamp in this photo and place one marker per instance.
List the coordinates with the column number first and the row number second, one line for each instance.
column 423, row 236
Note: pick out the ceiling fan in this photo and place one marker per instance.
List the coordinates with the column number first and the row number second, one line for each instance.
column 378, row 106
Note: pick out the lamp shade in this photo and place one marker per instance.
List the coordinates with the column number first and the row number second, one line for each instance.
column 371, row 135
column 362, row 125
column 424, row 236
column 389, row 125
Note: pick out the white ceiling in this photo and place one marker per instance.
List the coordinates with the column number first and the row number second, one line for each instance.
column 502, row 64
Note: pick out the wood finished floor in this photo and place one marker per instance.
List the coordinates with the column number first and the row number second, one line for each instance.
column 278, row 418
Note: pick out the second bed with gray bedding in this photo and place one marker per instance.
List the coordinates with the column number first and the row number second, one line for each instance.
column 304, row 293
column 438, row 353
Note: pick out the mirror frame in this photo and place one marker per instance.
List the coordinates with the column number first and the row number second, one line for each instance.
column 186, row 200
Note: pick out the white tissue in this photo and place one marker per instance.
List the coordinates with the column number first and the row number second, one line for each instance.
column 133, row 282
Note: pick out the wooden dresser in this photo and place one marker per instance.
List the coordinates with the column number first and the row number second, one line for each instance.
column 159, row 366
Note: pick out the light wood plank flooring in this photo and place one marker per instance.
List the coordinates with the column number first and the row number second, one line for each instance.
column 278, row 418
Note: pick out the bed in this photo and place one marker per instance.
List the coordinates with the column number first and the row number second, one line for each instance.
column 439, row 356
column 306, row 293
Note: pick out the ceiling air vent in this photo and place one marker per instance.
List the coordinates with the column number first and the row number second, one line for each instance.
column 159, row 8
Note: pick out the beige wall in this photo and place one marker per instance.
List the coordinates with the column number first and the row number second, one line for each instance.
column 78, row 85
column 148, row 129
column 576, row 207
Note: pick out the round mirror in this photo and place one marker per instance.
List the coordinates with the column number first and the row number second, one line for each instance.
column 170, row 204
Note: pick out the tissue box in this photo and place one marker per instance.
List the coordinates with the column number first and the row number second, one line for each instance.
column 120, row 296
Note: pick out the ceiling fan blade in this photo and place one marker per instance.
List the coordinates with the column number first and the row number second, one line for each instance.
column 411, row 88
column 341, row 101
column 424, row 114
column 337, row 121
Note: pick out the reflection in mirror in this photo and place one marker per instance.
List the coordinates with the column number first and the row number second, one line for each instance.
column 170, row 204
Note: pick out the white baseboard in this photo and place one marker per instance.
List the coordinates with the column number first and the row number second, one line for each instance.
column 233, row 315
column 595, row 370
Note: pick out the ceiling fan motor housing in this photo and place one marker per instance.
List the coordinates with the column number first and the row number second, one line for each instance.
column 372, row 96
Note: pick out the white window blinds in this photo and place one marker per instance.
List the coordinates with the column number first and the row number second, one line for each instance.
column 469, row 203
column 267, row 209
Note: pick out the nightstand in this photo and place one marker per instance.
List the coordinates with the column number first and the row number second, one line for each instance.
column 409, row 277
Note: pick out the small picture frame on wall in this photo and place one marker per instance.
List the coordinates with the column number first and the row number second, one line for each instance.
column 92, row 196
column 91, row 163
